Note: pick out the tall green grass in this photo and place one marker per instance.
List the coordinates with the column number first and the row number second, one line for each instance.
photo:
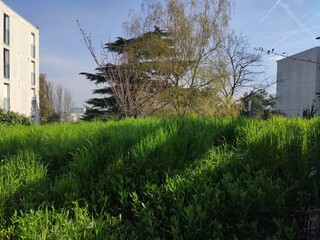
column 159, row 179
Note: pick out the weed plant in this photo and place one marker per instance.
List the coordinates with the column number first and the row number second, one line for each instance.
column 188, row 178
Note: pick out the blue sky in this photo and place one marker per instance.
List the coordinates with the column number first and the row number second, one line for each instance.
column 287, row 26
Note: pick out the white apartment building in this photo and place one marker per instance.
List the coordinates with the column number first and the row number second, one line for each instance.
column 77, row 114
column 298, row 81
column 19, row 74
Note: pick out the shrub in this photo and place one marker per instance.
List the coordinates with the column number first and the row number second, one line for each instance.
column 13, row 118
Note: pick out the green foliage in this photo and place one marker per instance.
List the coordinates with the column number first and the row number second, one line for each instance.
column 105, row 107
column 45, row 101
column 187, row 178
column 263, row 105
column 309, row 112
column 128, row 88
column 12, row 118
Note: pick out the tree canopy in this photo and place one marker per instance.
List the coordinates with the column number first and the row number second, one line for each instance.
column 179, row 58
column 133, row 82
column 103, row 106
column 56, row 103
column 262, row 104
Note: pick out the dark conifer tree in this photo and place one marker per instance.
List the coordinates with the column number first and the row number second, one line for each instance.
column 106, row 105
column 103, row 107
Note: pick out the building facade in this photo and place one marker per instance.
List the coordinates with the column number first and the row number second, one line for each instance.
column 298, row 82
column 19, row 74
column 77, row 114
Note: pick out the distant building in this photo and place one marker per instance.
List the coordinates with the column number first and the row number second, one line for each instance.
column 19, row 74
column 77, row 114
column 298, row 81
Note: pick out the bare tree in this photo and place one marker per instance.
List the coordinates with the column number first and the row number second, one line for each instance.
column 197, row 29
column 51, row 95
column 46, row 108
column 67, row 105
column 61, row 102
column 58, row 100
column 240, row 69
column 56, row 103
column 132, row 68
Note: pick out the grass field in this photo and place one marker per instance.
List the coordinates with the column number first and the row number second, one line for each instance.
column 186, row 178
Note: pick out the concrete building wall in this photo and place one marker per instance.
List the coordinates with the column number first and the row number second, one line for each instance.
column 21, row 77
column 297, row 82
column 77, row 114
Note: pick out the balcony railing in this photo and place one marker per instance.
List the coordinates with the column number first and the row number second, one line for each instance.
column 33, row 78
column 6, row 70
column 33, row 50
column 6, row 36
column 6, row 104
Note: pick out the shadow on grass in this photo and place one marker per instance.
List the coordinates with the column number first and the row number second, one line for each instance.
column 106, row 166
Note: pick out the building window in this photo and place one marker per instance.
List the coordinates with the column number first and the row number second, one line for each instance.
column 33, row 102
column 6, row 31
column 6, row 63
column 6, row 97
column 33, row 74
column 34, row 96
column 33, row 45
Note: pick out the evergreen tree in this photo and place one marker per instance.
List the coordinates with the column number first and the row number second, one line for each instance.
column 102, row 107
column 136, row 77
column 165, row 70
column 263, row 105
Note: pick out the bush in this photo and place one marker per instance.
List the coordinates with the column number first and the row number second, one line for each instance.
column 13, row 118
